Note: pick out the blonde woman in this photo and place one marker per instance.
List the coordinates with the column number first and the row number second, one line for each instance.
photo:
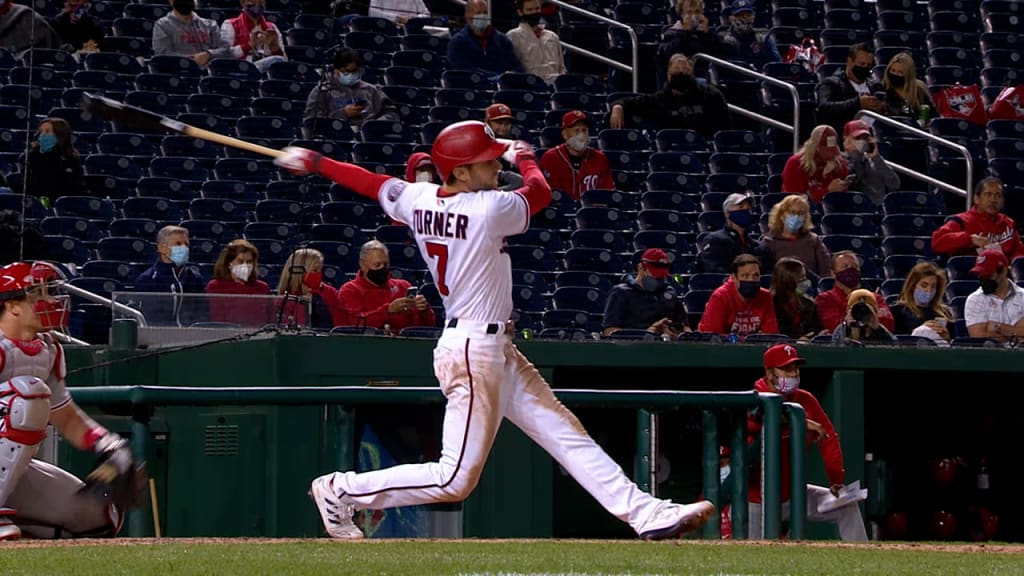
column 817, row 168
column 303, row 289
column 789, row 235
column 905, row 95
column 920, row 303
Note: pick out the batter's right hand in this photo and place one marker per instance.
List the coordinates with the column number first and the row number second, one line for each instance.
column 517, row 150
column 298, row 161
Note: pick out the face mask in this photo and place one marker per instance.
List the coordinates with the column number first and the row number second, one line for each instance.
column 47, row 142
column 803, row 287
column 480, row 22
column 923, row 297
column 531, row 19
column 312, row 280
column 254, row 11
column 793, row 222
column 378, row 276
column 348, row 78
column 749, row 288
column 242, row 271
column 989, row 285
column 651, row 284
column 787, row 384
column 741, row 26
column 849, row 277
column 860, row 73
column 424, row 176
column 578, row 142
column 741, row 218
column 896, row 81
column 184, row 7
column 681, row 82
column 179, row 255
column 723, row 473
column 860, row 145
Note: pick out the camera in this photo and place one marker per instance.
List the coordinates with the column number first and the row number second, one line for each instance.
column 861, row 312
column 411, row 292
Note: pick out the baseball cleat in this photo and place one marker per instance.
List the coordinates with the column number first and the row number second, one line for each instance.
column 335, row 513
column 671, row 520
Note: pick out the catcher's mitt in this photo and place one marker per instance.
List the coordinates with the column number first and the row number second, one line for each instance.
column 117, row 478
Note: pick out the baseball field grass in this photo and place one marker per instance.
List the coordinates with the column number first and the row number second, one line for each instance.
column 224, row 557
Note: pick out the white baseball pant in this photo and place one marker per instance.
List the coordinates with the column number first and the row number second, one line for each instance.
column 851, row 525
column 485, row 378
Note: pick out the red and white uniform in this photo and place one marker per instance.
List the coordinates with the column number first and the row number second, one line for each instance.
column 593, row 172
column 42, row 358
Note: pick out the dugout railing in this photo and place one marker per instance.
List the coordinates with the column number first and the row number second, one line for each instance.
column 140, row 400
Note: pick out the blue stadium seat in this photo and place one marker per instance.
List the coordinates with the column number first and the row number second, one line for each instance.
column 87, row 207
column 356, row 214
column 849, row 224
column 282, row 107
column 227, row 86
column 535, row 258
column 596, row 238
column 306, row 37
column 565, row 319
column 136, row 47
column 122, row 271
column 593, row 259
column 733, row 182
column 126, row 249
column 669, row 220
column 137, row 227
column 203, row 120
column 622, row 161
column 275, row 252
column 180, row 167
column 523, row 81
column 377, row 43
column 583, row 278
column 66, row 249
column 959, row 268
column 530, row 278
column 293, row 72
column 410, row 76
column 187, row 147
column 735, row 163
column 862, row 245
column 80, row 120
column 851, row 202
column 57, row 59
column 694, row 301
column 405, row 256
column 623, row 139
column 38, row 76
column 78, row 228
column 386, row 131
column 466, row 80
column 233, row 68
column 40, row 100
column 112, row 62
column 1006, row 22
column 584, row 298
column 289, row 89
column 424, row 42
column 279, row 211
column 13, row 117
column 520, row 99
column 527, row 298
column 899, row 265
column 170, row 188
column 146, row 11
column 216, row 209
column 134, row 27
column 125, row 144
column 215, row 230
column 920, row 245
column 549, row 239
column 661, row 239
column 394, row 234
column 420, row 59
column 600, row 218
column 244, row 169
column 571, row 82
column 271, row 127
column 911, row 203
column 910, row 224
column 152, row 208
column 683, row 162
column 667, row 200
column 1006, row 168
column 738, row 141
column 378, row 152
column 711, row 221
column 174, row 65
column 600, row 198
column 219, row 105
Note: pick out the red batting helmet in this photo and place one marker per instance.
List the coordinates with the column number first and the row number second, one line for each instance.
column 464, row 143
column 22, row 279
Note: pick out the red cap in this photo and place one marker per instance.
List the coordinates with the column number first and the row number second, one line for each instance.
column 498, row 111
column 988, row 262
column 656, row 262
column 781, row 355
column 573, row 117
column 855, row 128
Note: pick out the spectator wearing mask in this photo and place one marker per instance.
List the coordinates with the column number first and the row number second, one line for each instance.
column 538, row 50
column 398, row 11
column 789, row 235
column 832, row 304
column 235, row 274
column 782, row 376
column 646, row 301
column 684, row 104
column 919, row 310
column 861, row 321
column 868, row 171
column 499, row 117
column 740, row 306
column 905, row 95
column 721, row 247
column 574, row 166
column 817, row 168
column 18, row 32
column 349, row 98
column 182, row 32
column 79, row 31
column 742, row 42
column 373, row 298
column 983, row 227
column 53, row 168
column 689, row 35
column 481, row 48
column 420, row 168
column 171, row 274
column 850, row 89
column 795, row 312
column 306, row 300
column 996, row 309
column 252, row 37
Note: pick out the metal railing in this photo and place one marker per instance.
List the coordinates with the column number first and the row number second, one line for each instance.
column 127, row 310
column 965, row 192
column 795, row 128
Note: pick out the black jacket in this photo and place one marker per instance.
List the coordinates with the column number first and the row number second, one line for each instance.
column 52, row 175
column 720, row 247
column 630, row 306
column 838, row 100
column 75, row 34
column 702, row 109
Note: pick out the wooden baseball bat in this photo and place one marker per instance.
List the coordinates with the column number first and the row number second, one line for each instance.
column 155, row 508
column 115, row 111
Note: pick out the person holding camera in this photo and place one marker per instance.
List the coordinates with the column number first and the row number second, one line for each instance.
column 347, row 97
column 375, row 299
column 648, row 302
column 833, row 303
column 868, row 171
column 861, row 321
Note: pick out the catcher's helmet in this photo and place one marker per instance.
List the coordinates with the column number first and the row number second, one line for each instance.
column 42, row 281
column 464, row 143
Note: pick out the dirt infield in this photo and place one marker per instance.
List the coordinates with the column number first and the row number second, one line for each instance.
column 996, row 548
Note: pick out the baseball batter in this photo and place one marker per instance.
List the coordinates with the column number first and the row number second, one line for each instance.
column 460, row 229
column 35, row 497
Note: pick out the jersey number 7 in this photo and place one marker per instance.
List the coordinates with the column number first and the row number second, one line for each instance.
column 439, row 252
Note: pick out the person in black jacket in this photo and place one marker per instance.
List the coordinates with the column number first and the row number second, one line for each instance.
column 171, row 274
column 850, row 89
column 53, row 168
column 690, row 34
column 646, row 301
column 721, row 247
column 77, row 28
column 684, row 104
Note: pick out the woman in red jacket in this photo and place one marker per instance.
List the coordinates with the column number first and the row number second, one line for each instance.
column 306, row 299
column 817, row 168
column 236, row 289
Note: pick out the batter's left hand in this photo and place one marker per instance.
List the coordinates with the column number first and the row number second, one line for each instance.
column 517, row 150
column 297, row 161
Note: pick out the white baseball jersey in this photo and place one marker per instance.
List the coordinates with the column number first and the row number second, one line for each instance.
column 42, row 358
column 462, row 239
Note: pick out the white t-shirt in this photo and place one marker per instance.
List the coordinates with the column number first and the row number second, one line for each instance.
column 981, row 308
column 462, row 239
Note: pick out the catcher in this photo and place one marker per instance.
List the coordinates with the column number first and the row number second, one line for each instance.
column 36, row 498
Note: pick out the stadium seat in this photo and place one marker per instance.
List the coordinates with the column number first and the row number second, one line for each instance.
column 170, row 188
column 584, row 298
column 593, row 259
column 152, row 208
column 78, row 228
column 219, row 209
column 583, row 278
column 87, row 207
column 849, row 224
column 538, row 237
column 179, row 167
column 911, row 203
column 215, row 230
column 122, row 271
column 910, row 224
column 126, row 249
column 849, row 202
column 137, row 227
column 174, row 65
column 356, row 214
column 257, row 171
column 596, row 238
column 919, row 245
column 535, row 258
column 667, row 200
column 125, row 144
column 233, row 68
column 862, row 245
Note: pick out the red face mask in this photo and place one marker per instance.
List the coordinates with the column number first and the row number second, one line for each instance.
column 312, row 280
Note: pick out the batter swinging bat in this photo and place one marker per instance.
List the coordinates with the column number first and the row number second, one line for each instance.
column 115, row 111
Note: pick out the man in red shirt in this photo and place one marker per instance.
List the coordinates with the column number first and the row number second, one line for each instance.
column 740, row 306
column 573, row 167
column 377, row 300
column 983, row 227
column 782, row 376
column 832, row 303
